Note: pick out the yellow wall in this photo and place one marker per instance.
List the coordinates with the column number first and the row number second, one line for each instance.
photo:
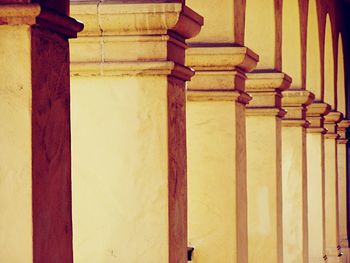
column 15, row 141
column 119, row 151
column 211, row 180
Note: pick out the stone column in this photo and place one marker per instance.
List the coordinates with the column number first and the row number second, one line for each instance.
column 331, row 188
column 294, row 176
column 263, row 117
column 129, row 132
column 216, row 139
column 315, row 180
column 342, row 189
column 35, row 188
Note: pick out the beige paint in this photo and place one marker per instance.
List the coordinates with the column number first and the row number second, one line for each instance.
column 264, row 188
column 15, row 140
column 329, row 89
column 120, row 169
column 313, row 67
column 340, row 80
column 260, row 31
column 331, row 203
column 212, row 203
column 291, row 42
column 294, row 188
column 219, row 21
column 315, row 188
column 342, row 199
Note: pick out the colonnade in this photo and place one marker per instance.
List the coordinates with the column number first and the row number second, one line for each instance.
column 217, row 125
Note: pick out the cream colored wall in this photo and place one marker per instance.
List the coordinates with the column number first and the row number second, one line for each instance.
column 294, row 191
column 264, row 188
column 291, row 42
column 211, row 181
column 329, row 89
column 315, row 184
column 15, row 140
column 119, row 151
column 331, row 206
column 313, row 68
column 219, row 21
column 260, row 28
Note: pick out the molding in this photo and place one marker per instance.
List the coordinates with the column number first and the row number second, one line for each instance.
column 267, row 81
column 297, row 98
column 265, row 112
column 216, row 57
column 121, row 19
column 209, row 95
column 36, row 15
column 132, row 69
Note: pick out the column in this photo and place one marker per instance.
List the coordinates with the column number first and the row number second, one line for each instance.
column 216, row 134
column 333, row 251
column 263, row 117
column 129, row 131
column 35, row 188
column 342, row 189
column 294, row 176
column 216, row 139
column 315, row 180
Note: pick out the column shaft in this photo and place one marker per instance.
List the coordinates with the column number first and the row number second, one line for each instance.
column 331, row 189
column 316, row 180
column 35, row 189
column 128, row 105
column 264, row 170
column 294, row 176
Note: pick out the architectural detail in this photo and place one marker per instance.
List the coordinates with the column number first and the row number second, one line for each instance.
column 128, row 68
column 331, row 188
column 315, row 179
column 294, row 175
column 193, row 131
column 342, row 189
column 35, row 190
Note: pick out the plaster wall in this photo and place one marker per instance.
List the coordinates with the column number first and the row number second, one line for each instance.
column 15, row 140
column 120, row 169
column 212, row 182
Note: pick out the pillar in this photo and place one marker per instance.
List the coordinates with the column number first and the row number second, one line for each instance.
column 129, row 131
column 35, row 189
column 315, row 180
column 294, row 176
column 264, row 185
column 216, row 139
column 216, row 134
column 333, row 251
column 342, row 189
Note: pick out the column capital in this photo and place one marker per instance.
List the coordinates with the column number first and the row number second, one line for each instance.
column 295, row 102
column 220, row 68
column 330, row 122
column 227, row 57
column 341, row 130
column 315, row 116
column 266, row 88
column 37, row 15
column 135, row 19
column 133, row 39
column 210, row 95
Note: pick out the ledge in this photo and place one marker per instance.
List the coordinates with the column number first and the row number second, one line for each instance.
column 207, row 95
column 297, row 98
column 318, row 109
column 333, row 117
column 122, row 19
column 34, row 14
column 216, row 57
column 267, row 81
column 132, row 69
